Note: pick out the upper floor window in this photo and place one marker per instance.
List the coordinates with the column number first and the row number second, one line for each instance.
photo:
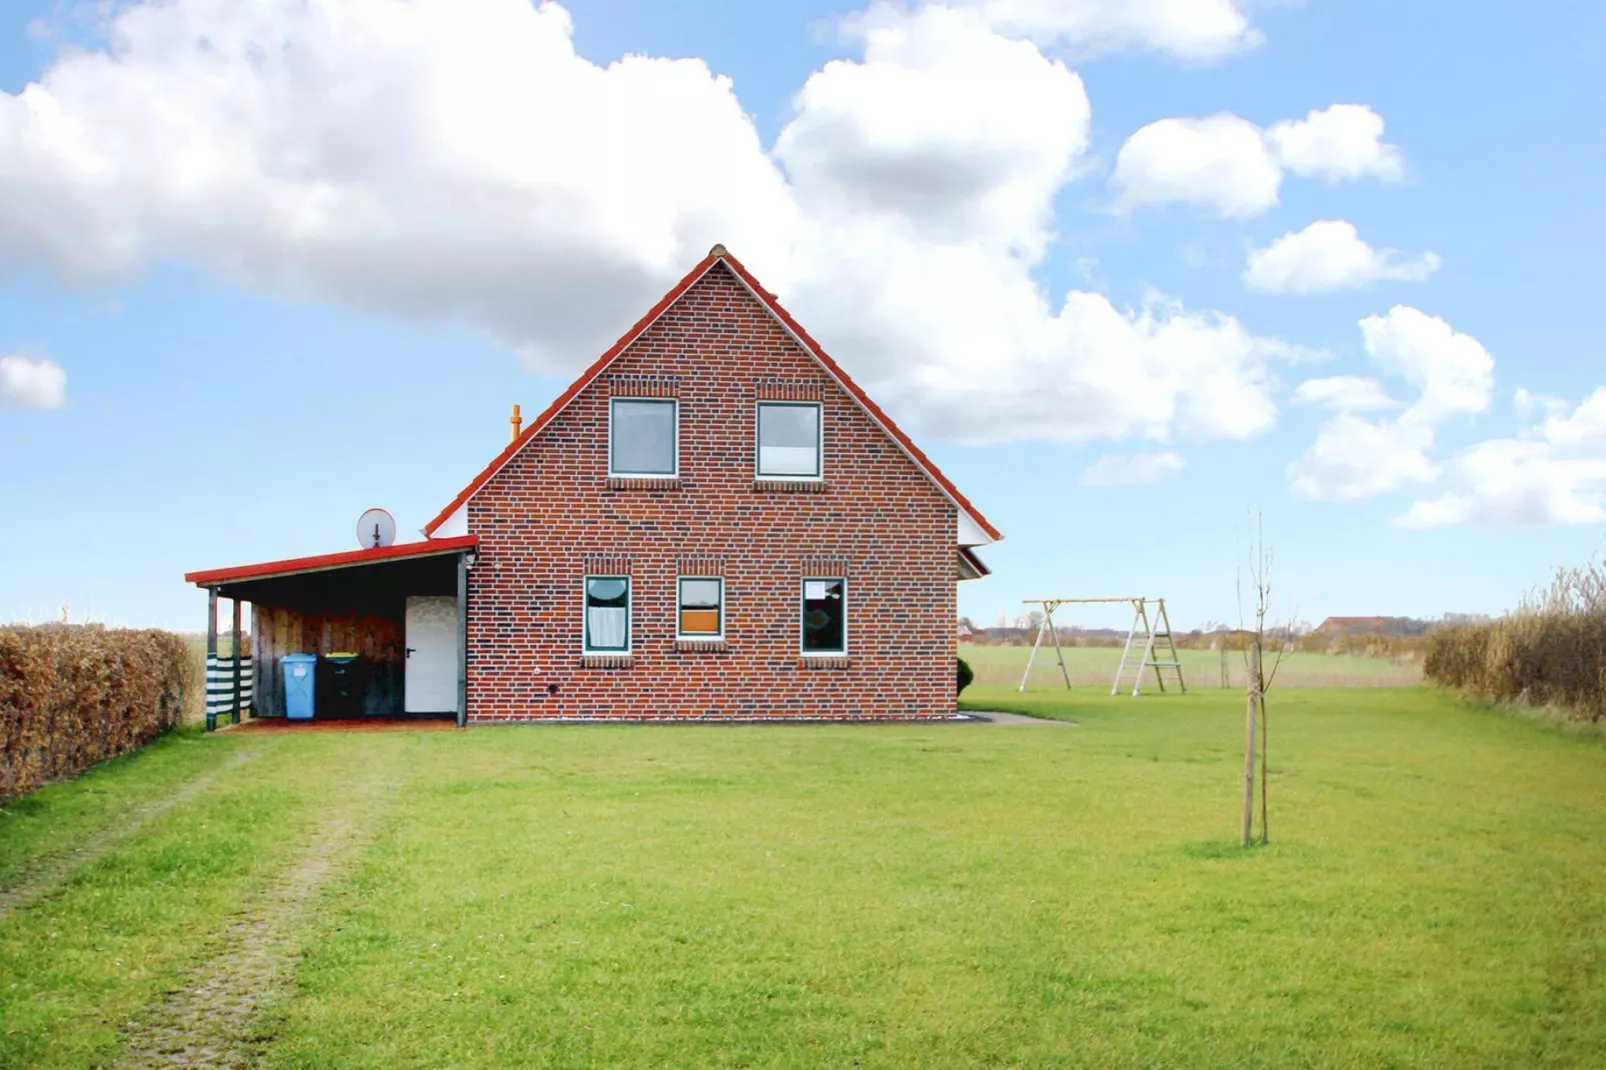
column 788, row 440
column 642, row 437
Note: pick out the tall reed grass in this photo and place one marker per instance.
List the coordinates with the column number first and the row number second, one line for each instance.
column 1549, row 651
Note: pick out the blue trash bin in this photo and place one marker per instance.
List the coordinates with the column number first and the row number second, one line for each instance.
column 300, row 672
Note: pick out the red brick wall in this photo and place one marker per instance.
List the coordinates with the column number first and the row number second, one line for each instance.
column 551, row 511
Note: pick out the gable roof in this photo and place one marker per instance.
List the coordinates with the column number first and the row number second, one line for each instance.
column 717, row 255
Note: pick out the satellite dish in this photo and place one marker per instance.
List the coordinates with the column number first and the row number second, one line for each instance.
column 375, row 528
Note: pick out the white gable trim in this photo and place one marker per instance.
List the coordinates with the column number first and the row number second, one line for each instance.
column 970, row 532
column 456, row 524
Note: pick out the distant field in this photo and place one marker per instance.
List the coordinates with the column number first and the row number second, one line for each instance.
column 1000, row 665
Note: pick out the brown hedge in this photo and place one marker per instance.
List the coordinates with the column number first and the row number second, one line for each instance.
column 1555, row 659
column 74, row 696
column 1550, row 652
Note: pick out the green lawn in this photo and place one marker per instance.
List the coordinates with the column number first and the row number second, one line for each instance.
column 1095, row 666
column 1435, row 893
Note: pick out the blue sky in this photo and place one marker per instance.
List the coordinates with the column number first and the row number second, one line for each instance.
column 231, row 395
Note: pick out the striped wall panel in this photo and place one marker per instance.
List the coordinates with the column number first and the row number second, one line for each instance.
column 220, row 683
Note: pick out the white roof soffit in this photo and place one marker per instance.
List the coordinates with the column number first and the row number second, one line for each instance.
column 970, row 532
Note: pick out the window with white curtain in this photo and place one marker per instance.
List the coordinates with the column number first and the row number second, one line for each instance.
column 642, row 437
column 607, row 626
column 789, row 440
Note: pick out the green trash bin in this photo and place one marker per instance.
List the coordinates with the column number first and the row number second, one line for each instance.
column 342, row 681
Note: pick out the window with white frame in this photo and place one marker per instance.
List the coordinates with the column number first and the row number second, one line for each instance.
column 825, row 616
column 642, row 436
column 607, row 621
column 789, row 440
column 701, row 610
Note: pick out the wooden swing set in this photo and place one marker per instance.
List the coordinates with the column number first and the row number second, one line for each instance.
column 1147, row 629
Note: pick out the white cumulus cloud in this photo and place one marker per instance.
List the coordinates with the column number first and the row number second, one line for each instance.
column 1330, row 255
column 1584, row 426
column 1453, row 370
column 32, row 383
column 1344, row 393
column 1221, row 162
column 423, row 159
column 944, row 126
column 1119, row 469
column 1342, row 143
column 436, row 160
column 1354, row 457
column 1552, row 473
column 1528, row 403
column 1228, row 164
column 1192, row 29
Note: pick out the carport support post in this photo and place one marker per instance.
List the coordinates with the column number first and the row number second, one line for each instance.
column 462, row 640
column 211, row 655
column 235, row 717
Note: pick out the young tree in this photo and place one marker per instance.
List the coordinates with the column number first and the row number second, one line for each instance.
column 1258, row 680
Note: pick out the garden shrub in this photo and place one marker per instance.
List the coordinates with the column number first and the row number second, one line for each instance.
column 74, row 696
column 965, row 676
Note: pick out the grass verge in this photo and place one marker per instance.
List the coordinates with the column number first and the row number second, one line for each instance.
column 939, row 895
column 77, row 964
column 59, row 816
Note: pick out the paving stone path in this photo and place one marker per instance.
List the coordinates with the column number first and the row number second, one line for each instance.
column 209, row 1021
column 996, row 718
column 46, row 875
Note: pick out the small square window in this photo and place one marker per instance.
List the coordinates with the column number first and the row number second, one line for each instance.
column 825, row 616
column 788, row 440
column 642, row 437
column 607, row 624
column 702, row 607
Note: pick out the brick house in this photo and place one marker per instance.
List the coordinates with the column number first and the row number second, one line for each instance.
column 712, row 522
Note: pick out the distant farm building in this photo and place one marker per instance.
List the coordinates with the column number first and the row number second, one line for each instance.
column 1394, row 627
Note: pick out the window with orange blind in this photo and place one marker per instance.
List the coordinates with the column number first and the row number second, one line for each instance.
column 702, row 607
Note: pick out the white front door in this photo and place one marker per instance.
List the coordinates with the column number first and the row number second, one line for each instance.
column 431, row 679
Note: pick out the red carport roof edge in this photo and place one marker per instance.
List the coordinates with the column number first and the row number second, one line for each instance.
column 290, row 566
column 768, row 300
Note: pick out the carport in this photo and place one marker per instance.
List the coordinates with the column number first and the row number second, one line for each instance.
column 402, row 609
